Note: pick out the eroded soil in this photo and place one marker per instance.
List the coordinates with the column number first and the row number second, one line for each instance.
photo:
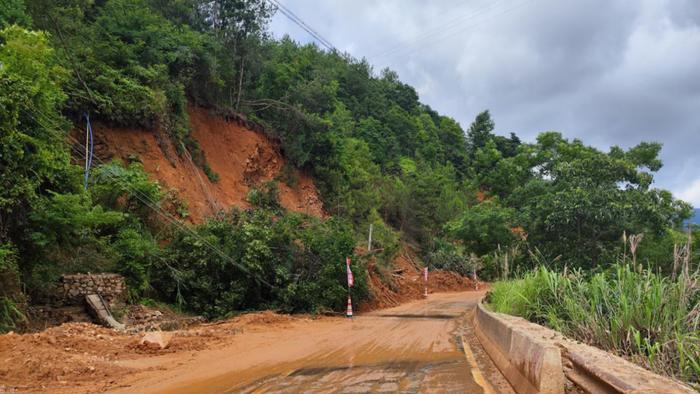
column 240, row 157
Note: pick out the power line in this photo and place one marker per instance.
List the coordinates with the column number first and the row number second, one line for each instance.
column 448, row 30
column 296, row 19
column 436, row 31
column 299, row 22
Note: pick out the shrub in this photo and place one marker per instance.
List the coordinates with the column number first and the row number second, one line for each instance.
column 385, row 240
column 288, row 175
column 11, row 296
column 257, row 259
column 448, row 257
column 213, row 176
column 135, row 253
column 265, row 196
column 127, row 189
column 318, row 279
column 67, row 234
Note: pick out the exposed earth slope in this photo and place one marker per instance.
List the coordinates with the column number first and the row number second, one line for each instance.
column 242, row 158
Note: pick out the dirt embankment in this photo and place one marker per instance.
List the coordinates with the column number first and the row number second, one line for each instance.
column 242, row 158
column 403, row 282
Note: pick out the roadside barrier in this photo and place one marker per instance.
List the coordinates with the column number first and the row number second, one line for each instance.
column 536, row 359
column 531, row 365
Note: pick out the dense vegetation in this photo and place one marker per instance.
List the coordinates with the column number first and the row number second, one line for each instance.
column 645, row 316
column 469, row 199
column 286, row 262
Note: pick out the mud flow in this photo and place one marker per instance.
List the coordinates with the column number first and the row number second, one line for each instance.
column 417, row 347
column 424, row 346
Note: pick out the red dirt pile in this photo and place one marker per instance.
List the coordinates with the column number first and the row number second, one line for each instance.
column 241, row 157
column 404, row 283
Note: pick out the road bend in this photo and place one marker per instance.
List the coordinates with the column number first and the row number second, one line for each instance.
column 423, row 346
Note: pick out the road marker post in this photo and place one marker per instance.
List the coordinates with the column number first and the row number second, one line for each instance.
column 351, row 282
column 425, row 279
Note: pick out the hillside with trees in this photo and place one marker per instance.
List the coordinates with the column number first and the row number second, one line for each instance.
column 467, row 198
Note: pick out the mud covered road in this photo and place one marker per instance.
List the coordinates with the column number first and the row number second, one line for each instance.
column 423, row 346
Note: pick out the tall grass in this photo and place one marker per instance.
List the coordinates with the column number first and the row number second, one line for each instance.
column 10, row 315
column 648, row 318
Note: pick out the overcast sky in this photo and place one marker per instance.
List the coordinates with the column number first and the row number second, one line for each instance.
column 610, row 72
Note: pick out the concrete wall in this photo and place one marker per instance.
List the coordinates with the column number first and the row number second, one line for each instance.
column 531, row 365
column 536, row 359
column 597, row 371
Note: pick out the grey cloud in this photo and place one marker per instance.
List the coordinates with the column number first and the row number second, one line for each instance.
column 685, row 12
column 611, row 72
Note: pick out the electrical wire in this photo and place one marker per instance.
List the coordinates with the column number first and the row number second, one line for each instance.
column 89, row 148
column 299, row 22
column 436, row 31
column 438, row 37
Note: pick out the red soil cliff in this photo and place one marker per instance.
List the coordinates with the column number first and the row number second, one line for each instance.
column 242, row 158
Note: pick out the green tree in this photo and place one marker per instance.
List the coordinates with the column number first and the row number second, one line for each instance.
column 429, row 146
column 127, row 189
column 34, row 159
column 480, row 132
column 585, row 199
column 287, row 261
column 434, row 199
column 404, row 128
column 483, row 227
column 136, row 252
column 382, row 143
column 13, row 12
column 454, row 144
column 353, row 180
column 237, row 24
column 497, row 174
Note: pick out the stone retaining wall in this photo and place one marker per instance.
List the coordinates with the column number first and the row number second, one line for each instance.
column 72, row 289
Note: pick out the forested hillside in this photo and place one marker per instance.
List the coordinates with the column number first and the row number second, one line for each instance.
column 466, row 197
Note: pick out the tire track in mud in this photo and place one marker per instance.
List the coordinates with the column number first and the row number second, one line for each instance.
column 460, row 372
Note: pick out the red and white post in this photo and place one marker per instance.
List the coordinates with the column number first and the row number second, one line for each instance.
column 348, row 312
column 351, row 282
column 425, row 279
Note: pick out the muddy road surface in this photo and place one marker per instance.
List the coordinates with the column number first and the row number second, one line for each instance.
column 423, row 346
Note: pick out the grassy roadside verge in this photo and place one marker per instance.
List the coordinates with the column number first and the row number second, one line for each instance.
column 647, row 318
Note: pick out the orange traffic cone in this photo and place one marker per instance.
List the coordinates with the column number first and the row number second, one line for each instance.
column 349, row 311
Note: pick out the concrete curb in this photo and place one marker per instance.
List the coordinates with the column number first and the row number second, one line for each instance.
column 531, row 365
column 597, row 371
column 536, row 359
